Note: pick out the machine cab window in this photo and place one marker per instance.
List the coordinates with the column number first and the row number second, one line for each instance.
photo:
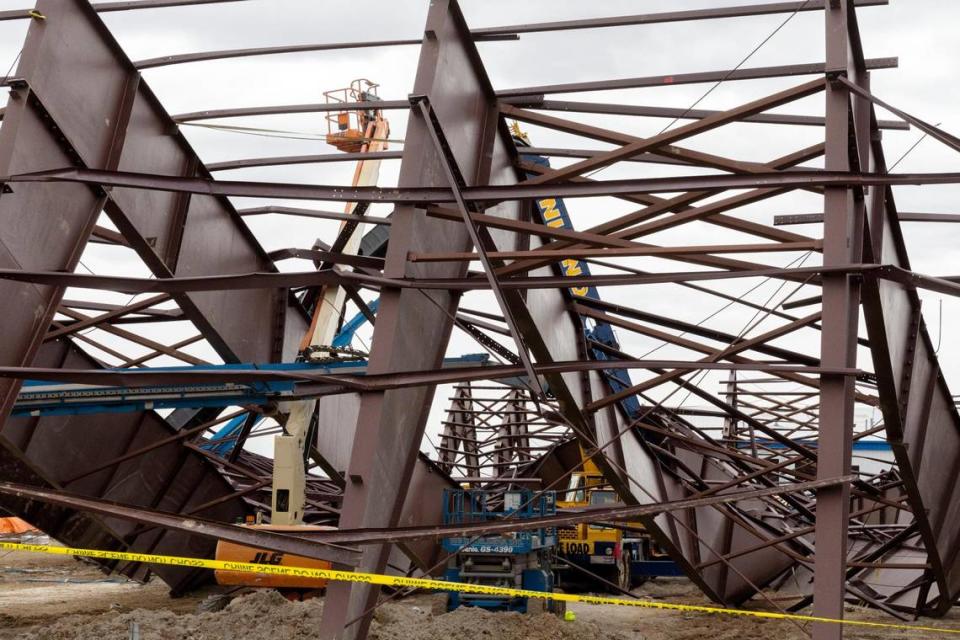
column 576, row 490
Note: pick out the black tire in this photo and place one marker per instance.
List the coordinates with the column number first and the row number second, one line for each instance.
column 623, row 572
column 214, row 603
column 558, row 607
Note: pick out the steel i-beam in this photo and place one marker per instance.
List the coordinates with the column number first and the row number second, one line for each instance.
column 841, row 299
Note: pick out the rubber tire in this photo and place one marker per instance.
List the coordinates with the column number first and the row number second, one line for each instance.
column 625, row 570
column 622, row 574
column 558, row 607
column 214, row 603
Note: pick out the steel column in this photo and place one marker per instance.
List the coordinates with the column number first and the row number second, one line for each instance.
column 412, row 327
column 841, row 297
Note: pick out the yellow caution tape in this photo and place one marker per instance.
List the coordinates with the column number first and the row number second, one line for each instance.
column 438, row 585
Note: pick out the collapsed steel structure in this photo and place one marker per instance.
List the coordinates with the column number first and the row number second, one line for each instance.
column 772, row 496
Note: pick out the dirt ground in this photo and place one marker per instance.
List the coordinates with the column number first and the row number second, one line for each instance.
column 57, row 598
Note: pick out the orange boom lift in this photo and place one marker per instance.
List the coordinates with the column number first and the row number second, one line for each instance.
column 351, row 130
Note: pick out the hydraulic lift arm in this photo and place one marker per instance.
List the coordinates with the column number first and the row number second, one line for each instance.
column 365, row 131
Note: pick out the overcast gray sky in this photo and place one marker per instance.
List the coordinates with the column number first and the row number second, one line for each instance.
column 921, row 32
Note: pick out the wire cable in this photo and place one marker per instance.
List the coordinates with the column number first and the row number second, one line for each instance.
column 910, row 150
column 726, row 76
column 14, row 63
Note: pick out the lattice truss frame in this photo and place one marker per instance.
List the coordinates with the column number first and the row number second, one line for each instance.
column 751, row 487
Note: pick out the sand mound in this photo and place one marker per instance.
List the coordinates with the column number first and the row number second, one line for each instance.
column 399, row 622
column 267, row 615
column 264, row 614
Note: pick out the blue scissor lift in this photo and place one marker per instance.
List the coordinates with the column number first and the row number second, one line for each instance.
column 518, row 560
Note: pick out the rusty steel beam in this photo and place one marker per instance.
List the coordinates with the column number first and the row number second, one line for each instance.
column 84, row 323
column 309, row 278
column 412, row 330
column 136, row 339
column 902, row 216
column 193, row 525
column 614, row 252
column 600, row 310
column 184, row 58
column 267, row 51
column 108, row 236
column 139, row 360
column 686, row 78
column 229, row 165
column 129, row 5
column 934, row 132
column 310, row 385
column 733, row 348
column 555, row 152
column 672, row 112
column 316, row 107
column 668, row 16
column 329, row 257
column 456, row 180
column 330, row 545
column 484, row 195
column 843, row 230
column 684, row 212
column 247, row 281
column 567, row 518
column 313, row 213
column 680, row 133
column 679, row 154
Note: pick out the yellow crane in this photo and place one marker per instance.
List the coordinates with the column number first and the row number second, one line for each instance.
column 598, row 549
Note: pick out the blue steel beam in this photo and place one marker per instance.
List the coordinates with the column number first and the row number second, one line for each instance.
column 38, row 397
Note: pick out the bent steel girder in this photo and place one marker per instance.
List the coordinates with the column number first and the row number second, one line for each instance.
column 890, row 540
column 51, row 120
column 413, row 327
column 48, row 451
column 921, row 418
column 175, row 234
column 554, row 334
column 60, row 451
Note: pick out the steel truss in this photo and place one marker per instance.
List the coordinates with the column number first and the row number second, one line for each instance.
column 751, row 489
